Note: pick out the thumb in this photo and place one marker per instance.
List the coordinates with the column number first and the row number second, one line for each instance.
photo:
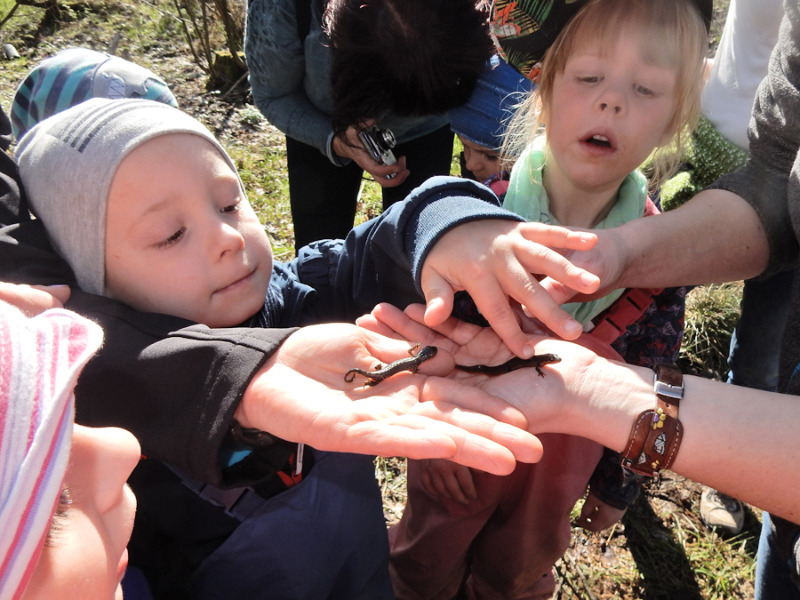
column 438, row 297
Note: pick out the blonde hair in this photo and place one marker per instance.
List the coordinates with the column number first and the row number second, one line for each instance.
column 677, row 37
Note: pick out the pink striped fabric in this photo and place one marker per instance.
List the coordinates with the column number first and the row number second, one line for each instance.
column 40, row 359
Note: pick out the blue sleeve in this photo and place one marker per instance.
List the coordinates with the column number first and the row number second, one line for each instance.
column 381, row 260
column 283, row 68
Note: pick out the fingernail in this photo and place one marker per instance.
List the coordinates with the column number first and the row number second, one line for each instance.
column 528, row 352
column 572, row 327
column 589, row 278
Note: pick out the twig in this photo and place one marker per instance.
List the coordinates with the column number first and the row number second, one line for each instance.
column 235, row 85
column 611, row 534
column 581, row 576
column 10, row 14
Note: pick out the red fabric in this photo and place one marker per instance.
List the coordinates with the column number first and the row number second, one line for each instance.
column 516, row 529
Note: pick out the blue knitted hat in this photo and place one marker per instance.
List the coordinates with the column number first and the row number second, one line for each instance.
column 482, row 119
column 75, row 75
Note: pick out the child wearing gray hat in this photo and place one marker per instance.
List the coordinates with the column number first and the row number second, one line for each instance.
column 147, row 208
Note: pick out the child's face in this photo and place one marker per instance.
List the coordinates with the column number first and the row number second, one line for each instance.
column 609, row 111
column 181, row 237
column 86, row 554
column 482, row 162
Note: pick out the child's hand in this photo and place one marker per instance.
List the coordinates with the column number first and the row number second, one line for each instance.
column 596, row 515
column 468, row 344
column 446, row 479
column 499, row 262
column 33, row 299
column 301, row 395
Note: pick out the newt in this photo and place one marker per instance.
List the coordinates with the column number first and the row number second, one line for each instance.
column 537, row 361
column 413, row 362
column 404, row 364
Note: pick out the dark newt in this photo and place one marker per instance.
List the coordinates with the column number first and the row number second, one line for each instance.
column 404, row 364
column 412, row 364
column 536, row 361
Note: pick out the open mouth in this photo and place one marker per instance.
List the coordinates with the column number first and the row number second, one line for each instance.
column 600, row 141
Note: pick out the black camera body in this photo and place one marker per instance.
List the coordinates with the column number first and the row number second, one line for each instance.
column 379, row 143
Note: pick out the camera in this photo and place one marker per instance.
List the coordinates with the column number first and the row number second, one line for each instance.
column 379, row 144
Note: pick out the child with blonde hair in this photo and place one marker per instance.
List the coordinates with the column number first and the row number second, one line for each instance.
column 621, row 83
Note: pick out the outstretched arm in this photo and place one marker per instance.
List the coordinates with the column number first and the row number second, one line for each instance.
column 738, row 440
column 301, row 395
column 717, row 236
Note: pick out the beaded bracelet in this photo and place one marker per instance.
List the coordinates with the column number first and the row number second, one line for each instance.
column 656, row 434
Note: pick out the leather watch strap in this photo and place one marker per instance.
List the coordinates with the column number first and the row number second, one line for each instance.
column 656, row 434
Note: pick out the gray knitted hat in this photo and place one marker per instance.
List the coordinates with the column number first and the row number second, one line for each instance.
column 67, row 163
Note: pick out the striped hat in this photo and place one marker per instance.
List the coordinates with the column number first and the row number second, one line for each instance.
column 525, row 29
column 75, row 75
column 41, row 358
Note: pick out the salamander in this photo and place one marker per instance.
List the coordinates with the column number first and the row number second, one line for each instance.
column 536, row 361
column 413, row 362
column 404, row 364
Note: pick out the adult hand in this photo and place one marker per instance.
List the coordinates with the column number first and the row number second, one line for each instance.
column 599, row 399
column 348, row 145
column 446, row 479
column 467, row 343
column 301, row 395
column 702, row 248
column 605, row 259
column 558, row 402
column 33, row 299
column 499, row 262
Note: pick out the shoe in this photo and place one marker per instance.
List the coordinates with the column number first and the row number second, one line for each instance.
column 720, row 511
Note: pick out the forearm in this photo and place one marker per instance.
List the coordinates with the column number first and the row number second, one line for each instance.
column 172, row 384
column 715, row 237
column 743, row 442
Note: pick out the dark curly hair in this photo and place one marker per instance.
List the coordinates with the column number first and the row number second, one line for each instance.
column 410, row 57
